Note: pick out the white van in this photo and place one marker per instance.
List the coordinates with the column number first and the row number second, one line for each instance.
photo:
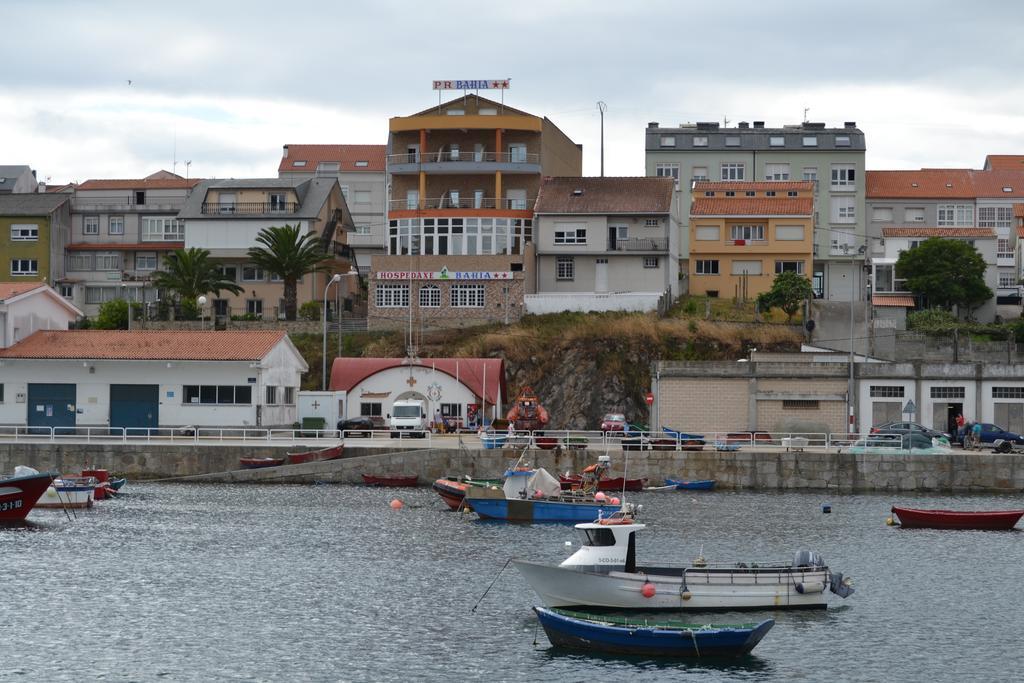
column 408, row 415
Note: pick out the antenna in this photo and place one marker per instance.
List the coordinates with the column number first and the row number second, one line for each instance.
column 602, row 107
column 187, row 165
column 725, row 121
column 806, row 109
column 174, row 161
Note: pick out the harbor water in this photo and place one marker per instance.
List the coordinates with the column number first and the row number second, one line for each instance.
column 328, row 583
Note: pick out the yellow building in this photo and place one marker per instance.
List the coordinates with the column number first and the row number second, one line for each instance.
column 33, row 231
column 743, row 233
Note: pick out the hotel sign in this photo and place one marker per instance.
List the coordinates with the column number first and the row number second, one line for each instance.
column 501, row 84
column 444, row 274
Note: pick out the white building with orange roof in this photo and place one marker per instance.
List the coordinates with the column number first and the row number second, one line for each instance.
column 149, row 380
column 29, row 306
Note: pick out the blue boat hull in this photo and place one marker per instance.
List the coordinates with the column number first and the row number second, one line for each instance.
column 701, row 485
column 637, row 639
column 539, row 510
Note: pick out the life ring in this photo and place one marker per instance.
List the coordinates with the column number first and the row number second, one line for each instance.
column 618, row 520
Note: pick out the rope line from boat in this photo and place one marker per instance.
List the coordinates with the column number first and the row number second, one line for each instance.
column 507, row 562
column 63, row 506
column 693, row 636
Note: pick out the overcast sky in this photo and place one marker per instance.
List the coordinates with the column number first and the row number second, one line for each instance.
column 226, row 84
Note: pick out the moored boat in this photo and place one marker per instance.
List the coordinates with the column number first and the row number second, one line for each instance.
column 995, row 520
column 329, row 453
column 257, row 463
column 533, row 495
column 691, row 484
column 453, row 489
column 631, row 636
column 19, row 493
column 69, row 492
column 492, row 440
column 118, row 483
column 390, row 479
column 604, row 573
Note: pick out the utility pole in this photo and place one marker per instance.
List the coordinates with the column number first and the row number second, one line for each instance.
column 602, row 107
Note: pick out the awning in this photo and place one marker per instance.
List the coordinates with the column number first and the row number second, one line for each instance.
column 901, row 300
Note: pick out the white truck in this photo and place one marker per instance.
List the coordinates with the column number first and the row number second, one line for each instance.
column 408, row 416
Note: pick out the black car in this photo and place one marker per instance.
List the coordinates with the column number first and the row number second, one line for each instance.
column 907, row 428
column 363, row 426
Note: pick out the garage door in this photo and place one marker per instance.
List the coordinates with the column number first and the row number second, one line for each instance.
column 52, row 405
column 135, row 407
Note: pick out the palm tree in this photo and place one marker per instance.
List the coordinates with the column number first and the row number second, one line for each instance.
column 289, row 255
column 190, row 274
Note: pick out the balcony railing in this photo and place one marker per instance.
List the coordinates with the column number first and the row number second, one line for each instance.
column 249, row 208
column 462, row 203
column 639, row 244
column 463, row 156
column 85, row 205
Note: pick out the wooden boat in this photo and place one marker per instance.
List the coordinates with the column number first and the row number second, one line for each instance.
column 533, row 495
column 695, row 485
column 453, row 489
column 329, row 453
column 575, row 481
column 390, row 479
column 632, row 636
column 257, row 463
column 955, row 519
column 548, row 443
column 19, row 494
column 69, row 492
column 118, row 482
column 687, row 442
column 604, row 573
column 493, row 440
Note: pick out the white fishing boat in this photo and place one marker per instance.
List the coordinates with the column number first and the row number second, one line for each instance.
column 604, row 573
column 69, row 492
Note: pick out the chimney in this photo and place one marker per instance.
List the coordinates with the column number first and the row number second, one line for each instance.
column 758, row 124
column 744, row 124
column 286, row 151
column 850, row 124
column 41, row 188
column 652, row 124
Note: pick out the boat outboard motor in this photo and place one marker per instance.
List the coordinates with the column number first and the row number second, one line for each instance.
column 808, row 558
column 839, row 585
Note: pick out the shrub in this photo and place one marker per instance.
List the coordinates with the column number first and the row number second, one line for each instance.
column 932, row 320
column 309, row 311
column 188, row 310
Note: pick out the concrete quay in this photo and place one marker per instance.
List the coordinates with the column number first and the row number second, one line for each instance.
column 765, row 470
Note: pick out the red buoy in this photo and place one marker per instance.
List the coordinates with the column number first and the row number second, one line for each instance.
column 397, row 504
column 599, row 496
column 648, row 590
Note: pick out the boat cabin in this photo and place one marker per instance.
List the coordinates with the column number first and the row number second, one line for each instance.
column 606, row 545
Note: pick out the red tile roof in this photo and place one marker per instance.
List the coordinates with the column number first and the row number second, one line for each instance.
column 999, row 183
column 1005, row 162
column 901, row 300
column 475, row 373
column 345, row 155
column 140, row 184
column 228, row 345
column 752, row 206
column 119, row 246
column 605, row 195
column 9, row 290
column 925, row 183
column 913, row 231
column 1020, row 232
column 1018, row 210
column 752, row 185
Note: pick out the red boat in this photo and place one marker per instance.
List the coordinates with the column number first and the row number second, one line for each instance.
column 390, row 479
column 329, row 453
column 18, row 495
column 953, row 519
column 572, row 481
column 257, row 463
column 103, row 488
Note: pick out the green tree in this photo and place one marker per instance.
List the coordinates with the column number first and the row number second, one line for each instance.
column 788, row 292
column 946, row 272
column 113, row 315
column 190, row 273
column 290, row 255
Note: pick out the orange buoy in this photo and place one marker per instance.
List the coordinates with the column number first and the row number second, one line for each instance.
column 600, row 497
column 648, row 590
column 397, row 504
column 615, row 501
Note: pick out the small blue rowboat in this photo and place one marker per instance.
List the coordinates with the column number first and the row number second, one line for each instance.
column 600, row 633
column 697, row 485
column 682, row 436
column 493, row 440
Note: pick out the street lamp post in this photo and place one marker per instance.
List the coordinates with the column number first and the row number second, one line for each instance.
column 323, row 376
column 202, row 312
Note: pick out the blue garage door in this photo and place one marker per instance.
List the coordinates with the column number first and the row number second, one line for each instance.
column 52, row 405
column 135, row 406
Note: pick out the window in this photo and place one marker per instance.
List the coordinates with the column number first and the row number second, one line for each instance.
column 844, row 209
column 328, row 167
column 1007, row 281
column 706, row 267
column 1003, row 248
column 389, row 295
column 810, row 141
column 67, row 291
column 108, row 260
column 91, row 225
column 667, row 171
column 769, row 193
column 277, row 201
column 776, row 171
column 565, row 268
column 749, row 193
column 789, row 267
column 456, row 112
column 271, row 396
column 732, row 171
column 792, row 193
column 652, row 222
column 732, row 140
column 289, row 396
column 730, row 193
column 746, row 267
column 24, row 266
column 253, row 274
column 843, row 242
column 430, row 296
column 700, row 172
column 995, row 216
column 955, row 214
column 210, row 394
column 228, row 273
column 115, row 225
column 467, row 296
column 363, row 196
column 913, row 214
column 843, row 176
column 881, row 214
column 298, row 164
column 145, row 260
column 572, row 236
column 799, row 404
column 140, row 197
column 842, row 141
column 362, row 228
column 370, row 410
column 776, row 141
column 24, row 232
column 668, row 141
column 789, row 232
column 700, row 141
column 947, row 392
column 886, row 391
column 810, row 173
column 163, row 229
column 650, row 261
column 1007, row 392
column 707, row 233
column 254, row 307
column 750, row 233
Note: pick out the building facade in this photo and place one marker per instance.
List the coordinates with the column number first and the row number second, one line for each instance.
column 18, row 179
column 742, row 234
column 362, row 174
column 604, row 244
column 33, row 231
column 831, row 158
column 463, row 179
column 121, row 232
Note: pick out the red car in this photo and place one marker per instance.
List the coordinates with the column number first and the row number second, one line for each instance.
column 613, row 422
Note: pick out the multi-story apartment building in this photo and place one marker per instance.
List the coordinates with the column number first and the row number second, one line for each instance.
column 743, row 233
column 463, row 179
column 17, row 179
column 121, row 232
column 832, row 158
column 361, row 172
column 225, row 217
column 604, row 244
column 33, row 231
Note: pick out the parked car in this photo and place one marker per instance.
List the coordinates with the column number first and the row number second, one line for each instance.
column 613, row 422
column 991, row 432
column 908, row 427
column 364, row 425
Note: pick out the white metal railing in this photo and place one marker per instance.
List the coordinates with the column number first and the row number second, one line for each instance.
column 462, row 202
column 449, row 156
